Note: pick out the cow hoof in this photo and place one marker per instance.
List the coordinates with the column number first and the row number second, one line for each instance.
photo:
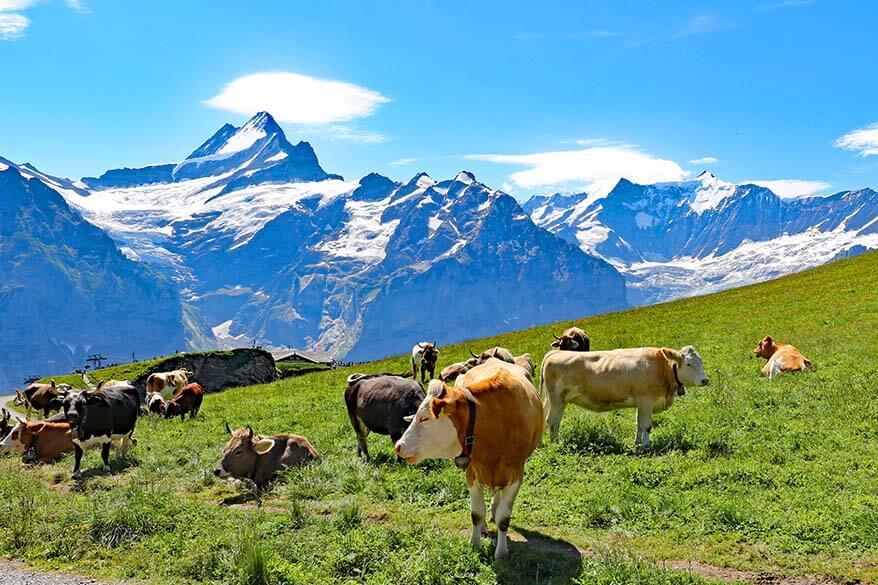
column 105, row 468
column 76, row 475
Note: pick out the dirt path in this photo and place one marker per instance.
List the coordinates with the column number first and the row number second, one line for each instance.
column 15, row 573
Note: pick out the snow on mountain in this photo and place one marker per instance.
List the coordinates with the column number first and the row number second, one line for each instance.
column 691, row 237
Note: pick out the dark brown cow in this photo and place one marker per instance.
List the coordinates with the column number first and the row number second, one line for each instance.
column 187, row 400
column 260, row 459
column 573, row 339
column 380, row 404
column 424, row 358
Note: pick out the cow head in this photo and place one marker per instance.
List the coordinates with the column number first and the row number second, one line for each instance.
column 13, row 442
column 156, row 404
column 431, row 433
column 450, row 373
column 690, row 366
column 171, row 408
column 429, row 353
column 19, row 399
column 241, row 453
column 766, row 348
column 75, row 404
column 573, row 339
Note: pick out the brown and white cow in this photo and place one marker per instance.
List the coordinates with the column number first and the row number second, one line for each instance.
column 38, row 441
column 41, row 396
column 424, row 357
column 452, row 372
column 573, row 339
column 781, row 357
column 260, row 459
column 489, row 427
column 645, row 378
column 167, row 383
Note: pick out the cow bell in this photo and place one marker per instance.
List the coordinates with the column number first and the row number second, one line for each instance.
column 462, row 461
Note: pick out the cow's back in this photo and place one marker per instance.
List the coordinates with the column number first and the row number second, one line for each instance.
column 113, row 412
column 288, row 451
column 383, row 401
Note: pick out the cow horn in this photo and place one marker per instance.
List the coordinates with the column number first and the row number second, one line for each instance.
column 86, row 381
column 97, row 389
column 556, row 337
column 421, row 344
column 250, row 430
column 472, row 354
column 228, row 428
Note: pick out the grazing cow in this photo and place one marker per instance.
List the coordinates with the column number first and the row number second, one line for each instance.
column 781, row 357
column 450, row 373
column 573, row 339
column 45, row 397
column 38, row 441
column 187, row 400
column 424, row 357
column 525, row 362
column 260, row 459
column 645, row 378
column 380, row 404
column 490, row 427
column 97, row 417
column 155, row 404
column 168, row 383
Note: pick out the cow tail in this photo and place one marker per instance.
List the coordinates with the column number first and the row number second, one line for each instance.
column 543, row 380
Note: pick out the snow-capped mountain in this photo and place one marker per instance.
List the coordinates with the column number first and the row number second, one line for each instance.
column 262, row 245
column 692, row 237
column 66, row 290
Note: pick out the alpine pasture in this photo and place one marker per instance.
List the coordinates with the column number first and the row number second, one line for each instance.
column 764, row 477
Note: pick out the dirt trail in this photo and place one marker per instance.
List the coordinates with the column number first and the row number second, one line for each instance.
column 15, row 573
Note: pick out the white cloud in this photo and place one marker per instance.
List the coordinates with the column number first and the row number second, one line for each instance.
column 296, row 98
column 12, row 25
column 597, row 169
column 791, row 188
column 706, row 160
column 863, row 141
column 403, row 162
column 508, row 187
column 78, row 6
column 15, row 5
column 343, row 133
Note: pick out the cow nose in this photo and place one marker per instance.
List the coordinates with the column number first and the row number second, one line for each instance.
column 704, row 381
column 217, row 471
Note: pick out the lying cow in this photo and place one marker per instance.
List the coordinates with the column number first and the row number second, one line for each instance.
column 167, row 383
column 424, row 357
column 573, row 339
column 260, row 459
column 490, row 427
column 781, row 357
column 40, row 396
column 380, row 404
column 38, row 441
column 99, row 416
column 645, row 378
column 188, row 400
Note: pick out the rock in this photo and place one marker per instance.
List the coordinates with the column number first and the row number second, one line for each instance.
column 216, row 370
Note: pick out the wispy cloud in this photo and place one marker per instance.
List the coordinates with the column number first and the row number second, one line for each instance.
column 786, row 4
column 863, row 141
column 403, row 162
column 700, row 25
column 14, row 24
column 595, row 169
column 297, row 99
column 705, row 160
column 344, row 133
column 586, row 34
column 792, row 188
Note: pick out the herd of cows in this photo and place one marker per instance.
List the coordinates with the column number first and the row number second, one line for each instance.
column 484, row 413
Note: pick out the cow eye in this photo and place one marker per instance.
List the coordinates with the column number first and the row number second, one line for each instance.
column 423, row 419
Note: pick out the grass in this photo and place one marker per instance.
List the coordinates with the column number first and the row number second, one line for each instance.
column 292, row 369
column 778, row 476
column 129, row 371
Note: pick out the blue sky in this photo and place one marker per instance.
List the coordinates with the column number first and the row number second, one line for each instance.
column 564, row 96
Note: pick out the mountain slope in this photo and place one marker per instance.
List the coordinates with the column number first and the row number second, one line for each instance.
column 678, row 239
column 66, row 290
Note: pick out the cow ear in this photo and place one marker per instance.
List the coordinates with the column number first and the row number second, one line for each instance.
column 228, row 428
column 768, row 340
column 263, row 446
column 574, row 344
column 437, row 405
column 671, row 355
column 52, row 382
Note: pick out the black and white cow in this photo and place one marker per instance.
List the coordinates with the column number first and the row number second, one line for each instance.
column 100, row 416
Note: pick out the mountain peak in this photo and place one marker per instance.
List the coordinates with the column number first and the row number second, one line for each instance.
column 465, row 177
column 705, row 175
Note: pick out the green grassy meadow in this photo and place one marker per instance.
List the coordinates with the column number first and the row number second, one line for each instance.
column 777, row 477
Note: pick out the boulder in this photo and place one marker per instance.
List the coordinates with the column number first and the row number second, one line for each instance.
column 217, row 370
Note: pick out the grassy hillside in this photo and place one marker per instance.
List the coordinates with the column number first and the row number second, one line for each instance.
column 777, row 476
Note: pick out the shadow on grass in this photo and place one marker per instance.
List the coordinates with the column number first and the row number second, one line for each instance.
column 539, row 559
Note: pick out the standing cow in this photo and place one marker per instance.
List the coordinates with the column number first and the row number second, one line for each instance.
column 188, row 400
column 40, row 396
column 573, row 339
column 424, row 357
column 100, row 416
column 167, row 383
column 489, row 427
column 645, row 378
column 380, row 404
column 260, row 459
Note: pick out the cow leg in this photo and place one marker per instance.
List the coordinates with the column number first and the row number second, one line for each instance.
column 105, row 455
column 124, row 445
column 644, row 424
column 362, row 444
column 77, row 454
column 506, row 498
column 554, row 413
column 477, row 507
